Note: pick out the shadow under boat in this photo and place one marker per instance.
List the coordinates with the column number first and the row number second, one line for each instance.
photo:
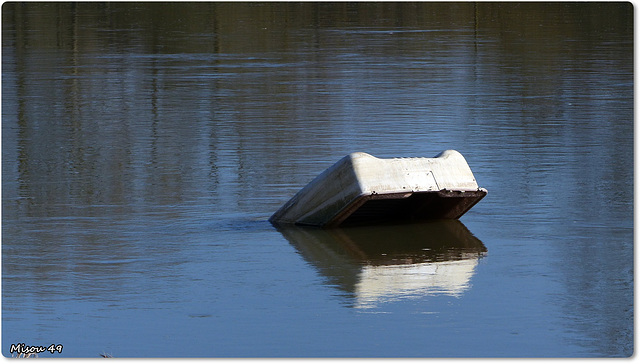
column 386, row 262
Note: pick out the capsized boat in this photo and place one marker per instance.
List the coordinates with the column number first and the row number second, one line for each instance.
column 363, row 189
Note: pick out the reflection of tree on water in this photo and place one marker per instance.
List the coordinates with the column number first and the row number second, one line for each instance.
column 388, row 262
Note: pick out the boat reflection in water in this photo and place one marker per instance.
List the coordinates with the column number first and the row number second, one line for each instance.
column 382, row 263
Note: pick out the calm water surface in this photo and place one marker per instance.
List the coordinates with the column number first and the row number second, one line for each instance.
column 144, row 147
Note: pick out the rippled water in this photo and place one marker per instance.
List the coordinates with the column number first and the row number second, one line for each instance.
column 144, row 147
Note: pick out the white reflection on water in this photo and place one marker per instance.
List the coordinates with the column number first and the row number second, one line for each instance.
column 392, row 282
column 378, row 264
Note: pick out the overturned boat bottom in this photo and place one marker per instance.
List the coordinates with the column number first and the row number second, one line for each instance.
column 363, row 189
column 410, row 206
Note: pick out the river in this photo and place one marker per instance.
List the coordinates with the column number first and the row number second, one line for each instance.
column 145, row 145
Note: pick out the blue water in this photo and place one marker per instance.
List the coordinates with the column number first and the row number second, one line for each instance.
column 144, row 147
